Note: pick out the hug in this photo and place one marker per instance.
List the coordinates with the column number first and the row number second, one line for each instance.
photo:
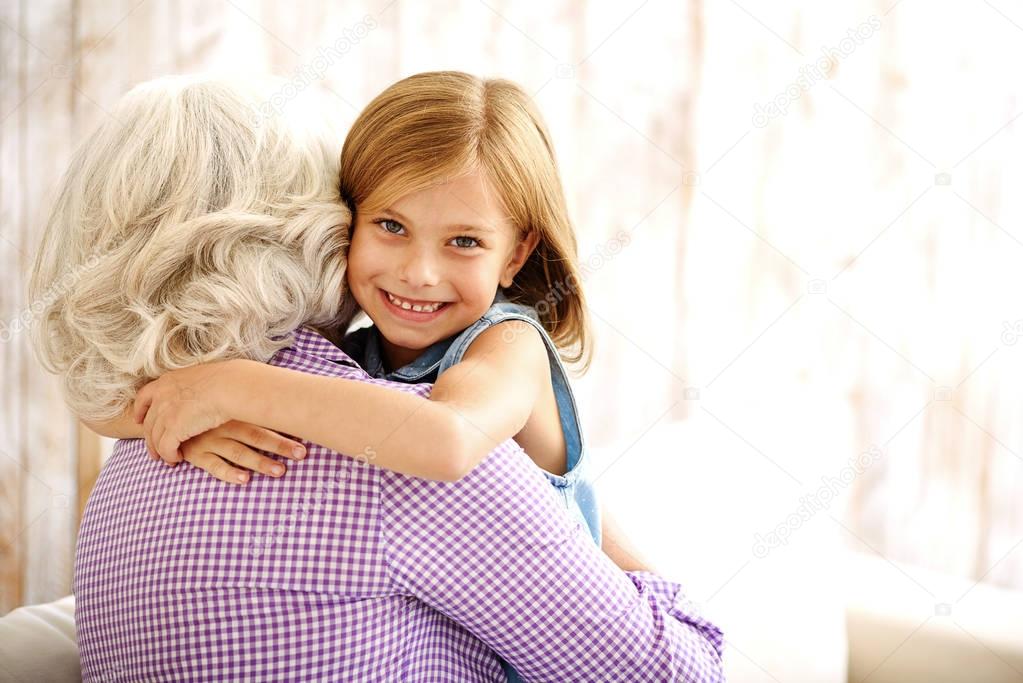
column 409, row 500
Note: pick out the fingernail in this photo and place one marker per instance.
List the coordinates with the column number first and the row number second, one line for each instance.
column 298, row 452
column 277, row 470
column 242, row 477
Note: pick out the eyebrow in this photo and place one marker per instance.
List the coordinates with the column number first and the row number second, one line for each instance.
column 458, row 226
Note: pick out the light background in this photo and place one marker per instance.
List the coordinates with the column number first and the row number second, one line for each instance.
column 774, row 292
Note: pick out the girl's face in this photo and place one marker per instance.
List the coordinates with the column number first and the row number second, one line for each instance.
column 444, row 250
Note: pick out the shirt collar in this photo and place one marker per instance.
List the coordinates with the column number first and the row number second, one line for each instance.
column 309, row 341
column 424, row 364
column 367, row 345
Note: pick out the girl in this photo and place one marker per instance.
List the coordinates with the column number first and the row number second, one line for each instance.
column 463, row 257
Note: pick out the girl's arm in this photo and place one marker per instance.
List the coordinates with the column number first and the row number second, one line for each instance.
column 122, row 427
column 393, row 429
column 493, row 390
column 475, row 405
column 216, row 450
column 397, row 430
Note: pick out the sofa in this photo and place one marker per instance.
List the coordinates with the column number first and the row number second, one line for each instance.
column 37, row 644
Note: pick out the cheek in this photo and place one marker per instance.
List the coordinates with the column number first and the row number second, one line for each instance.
column 360, row 260
column 360, row 274
column 479, row 283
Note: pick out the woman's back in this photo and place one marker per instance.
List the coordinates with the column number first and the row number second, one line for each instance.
column 179, row 576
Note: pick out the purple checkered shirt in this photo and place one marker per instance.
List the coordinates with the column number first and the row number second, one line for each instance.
column 343, row 571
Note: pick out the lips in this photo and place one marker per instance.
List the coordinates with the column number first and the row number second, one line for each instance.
column 413, row 309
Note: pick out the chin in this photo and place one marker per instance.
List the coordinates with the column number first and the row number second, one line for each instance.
column 400, row 337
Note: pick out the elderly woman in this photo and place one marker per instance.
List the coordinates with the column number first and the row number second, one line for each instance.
column 195, row 230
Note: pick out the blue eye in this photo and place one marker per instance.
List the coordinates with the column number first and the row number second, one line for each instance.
column 463, row 245
column 383, row 224
column 393, row 227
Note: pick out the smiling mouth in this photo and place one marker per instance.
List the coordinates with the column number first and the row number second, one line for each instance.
column 414, row 305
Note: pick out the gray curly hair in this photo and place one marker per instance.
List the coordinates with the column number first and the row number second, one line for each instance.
column 188, row 228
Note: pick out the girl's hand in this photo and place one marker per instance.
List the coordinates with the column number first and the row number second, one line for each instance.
column 184, row 403
column 213, row 451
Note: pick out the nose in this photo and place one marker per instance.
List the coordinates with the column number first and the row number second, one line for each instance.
column 419, row 268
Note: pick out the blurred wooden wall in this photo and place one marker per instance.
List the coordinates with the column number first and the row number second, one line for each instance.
column 63, row 65
column 38, row 440
column 63, row 62
column 827, row 280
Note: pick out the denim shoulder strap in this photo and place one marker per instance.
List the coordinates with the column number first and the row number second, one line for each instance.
column 501, row 311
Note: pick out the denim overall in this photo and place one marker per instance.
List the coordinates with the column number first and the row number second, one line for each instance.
column 574, row 487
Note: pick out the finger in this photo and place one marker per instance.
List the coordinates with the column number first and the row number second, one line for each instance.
column 168, row 449
column 216, row 466
column 166, row 443
column 147, row 430
column 162, row 437
column 155, row 430
column 153, row 455
column 142, row 402
column 240, row 454
column 265, row 440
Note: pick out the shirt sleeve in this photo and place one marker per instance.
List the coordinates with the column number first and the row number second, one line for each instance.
column 498, row 553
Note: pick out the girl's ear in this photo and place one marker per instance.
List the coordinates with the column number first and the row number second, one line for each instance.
column 519, row 256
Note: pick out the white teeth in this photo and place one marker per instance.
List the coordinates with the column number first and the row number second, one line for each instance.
column 427, row 308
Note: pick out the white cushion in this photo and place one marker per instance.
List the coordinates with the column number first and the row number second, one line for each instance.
column 37, row 643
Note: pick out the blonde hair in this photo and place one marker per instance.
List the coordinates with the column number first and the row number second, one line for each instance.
column 435, row 126
column 190, row 227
